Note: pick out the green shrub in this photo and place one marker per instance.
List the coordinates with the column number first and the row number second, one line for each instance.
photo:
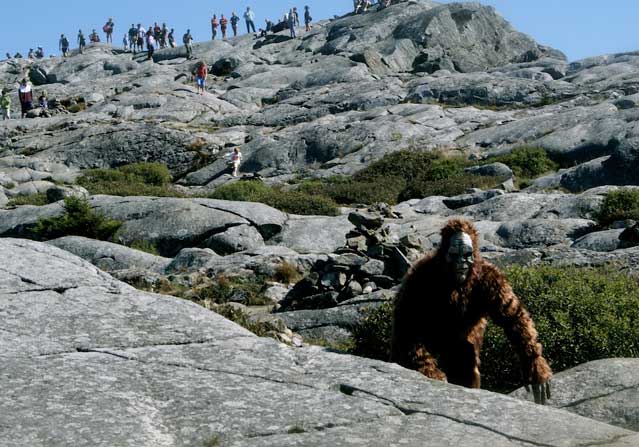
column 619, row 205
column 347, row 191
column 261, row 329
column 38, row 199
column 527, row 162
column 295, row 202
column 78, row 220
column 580, row 314
column 149, row 173
column 287, row 273
column 138, row 179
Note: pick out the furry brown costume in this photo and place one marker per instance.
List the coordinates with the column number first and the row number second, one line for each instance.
column 439, row 320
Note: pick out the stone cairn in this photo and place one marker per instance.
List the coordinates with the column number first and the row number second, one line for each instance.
column 369, row 261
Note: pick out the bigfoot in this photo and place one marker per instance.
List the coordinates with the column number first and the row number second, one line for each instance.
column 440, row 315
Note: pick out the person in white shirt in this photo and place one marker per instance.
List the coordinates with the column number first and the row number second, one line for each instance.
column 236, row 159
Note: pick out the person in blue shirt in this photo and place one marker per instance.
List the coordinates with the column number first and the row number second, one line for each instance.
column 249, row 16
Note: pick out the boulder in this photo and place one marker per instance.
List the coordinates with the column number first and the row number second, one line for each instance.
column 604, row 390
column 235, row 239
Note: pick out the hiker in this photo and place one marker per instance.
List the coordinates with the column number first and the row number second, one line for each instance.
column 133, row 38
column 296, row 17
column 249, row 17
column 64, row 45
column 82, row 43
column 200, row 77
column 5, row 104
column 171, row 38
column 214, row 25
column 307, row 18
column 25, row 94
column 157, row 33
column 236, row 159
column 125, row 42
column 223, row 24
column 8, row 56
column 94, row 37
column 108, row 30
column 39, row 54
column 382, row 4
column 141, row 35
column 150, row 44
column 17, row 55
column 234, row 21
column 269, row 26
column 164, row 34
column 291, row 23
column 187, row 39
column 30, row 54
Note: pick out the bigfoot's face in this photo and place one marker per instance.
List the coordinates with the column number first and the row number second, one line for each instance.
column 460, row 256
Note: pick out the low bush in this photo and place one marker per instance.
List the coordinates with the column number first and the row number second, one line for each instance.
column 38, row 199
column 145, row 246
column 259, row 328
column 78, row 220
column 527, row 162
column 287, row 273
column 294, row 202
column 451, row 186
column 619, row 205
column 580, row 314
column 138, row 179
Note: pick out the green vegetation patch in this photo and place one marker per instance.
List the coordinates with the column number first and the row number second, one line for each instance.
column 581, row 314
column 527, row 162
column 38, row 199
column 249, row 290
column 294, row 202
column 619, row 205
column 79, row 219
column 138, row 179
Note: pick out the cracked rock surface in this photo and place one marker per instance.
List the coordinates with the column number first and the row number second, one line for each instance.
column 89, row 361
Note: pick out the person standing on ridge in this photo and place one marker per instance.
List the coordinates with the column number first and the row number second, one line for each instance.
column 150, row 44
column 94, row 37
column 5, row 104
column 249, row 17
column 164, row 36
column 141, row 35
column 200, row 77
column 125, row 42
column 133, row 38
column 223, row 24
column 234, row 21
column 307, row 18
column 171, row 38
column 64, row 45
column 108, row 30
column 291, row 23
column 214, row 25
column 30, row 54
column 82, row 42
column 296, row 16
column 25, row 94
column 187, row 39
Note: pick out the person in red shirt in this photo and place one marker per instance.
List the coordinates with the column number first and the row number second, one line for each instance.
column 214, row 25
column 200, row 77
column 223, row 24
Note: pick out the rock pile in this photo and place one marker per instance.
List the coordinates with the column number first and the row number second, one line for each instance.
column 372, row 259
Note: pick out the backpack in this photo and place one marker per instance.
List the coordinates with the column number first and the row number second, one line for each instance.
column 106, row 28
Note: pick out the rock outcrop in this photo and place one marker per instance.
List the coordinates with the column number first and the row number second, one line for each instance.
column 90, row 361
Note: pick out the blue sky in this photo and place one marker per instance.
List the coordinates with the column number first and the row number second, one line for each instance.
column 579, row 28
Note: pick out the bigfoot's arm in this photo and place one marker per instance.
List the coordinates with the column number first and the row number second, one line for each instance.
column 507, row 311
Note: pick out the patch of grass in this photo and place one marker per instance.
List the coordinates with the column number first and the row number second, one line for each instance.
column 138, row 179
column 261, row 329
column 581, row 314
column 295, row 429
column 38, row 199
column 225, row 288
column 294, row 202
column 619, row 205
column 213, row 442
column 527, row 162
column 78, row 220
column 447, row 187
column 145, row 246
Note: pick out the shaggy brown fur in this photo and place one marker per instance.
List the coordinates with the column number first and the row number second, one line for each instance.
column 438, row 325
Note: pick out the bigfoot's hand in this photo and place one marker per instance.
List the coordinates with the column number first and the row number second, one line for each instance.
column 538, row 376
